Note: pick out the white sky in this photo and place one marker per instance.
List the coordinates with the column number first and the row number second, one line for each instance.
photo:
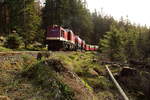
column 136, row 10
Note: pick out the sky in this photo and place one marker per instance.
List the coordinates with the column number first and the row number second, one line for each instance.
column 137, row 11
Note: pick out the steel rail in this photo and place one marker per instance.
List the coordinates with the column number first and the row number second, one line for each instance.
column 117, row 84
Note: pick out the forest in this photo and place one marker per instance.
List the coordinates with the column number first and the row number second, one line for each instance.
column 120, row 40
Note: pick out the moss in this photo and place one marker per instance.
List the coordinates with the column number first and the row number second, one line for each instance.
column 87, row 85
column 100, row 83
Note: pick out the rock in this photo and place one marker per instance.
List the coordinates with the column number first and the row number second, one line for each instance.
column 136, row 81
column 43, row 54
column 145, row 83
column 127, row 71
column 96, row 70
column 95, row 60
column 129, row 77
column 106, row 62
column 13, row 63
column 115, row 65
column 116, row 75
column 39, row 56
column 93, row 72
column 56, row 64
column 135, row 62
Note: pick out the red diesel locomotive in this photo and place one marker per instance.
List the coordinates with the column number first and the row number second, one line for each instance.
column 59, row 38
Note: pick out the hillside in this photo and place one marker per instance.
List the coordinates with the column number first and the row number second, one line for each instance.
column 62, row 76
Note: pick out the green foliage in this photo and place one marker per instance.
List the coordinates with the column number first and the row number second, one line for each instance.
column 100, row 83
column 33, row 79
column 31, row 23
column 131, row 44
column 44, row 77
column 87, row 85
column 13, row 41
column 101, row 25
column 26, row 20
column 68, row 13
column 112, row 44
column 2, row 49
column 61, row 91
column 143, row 43
column 23, row 18
column 126, row 42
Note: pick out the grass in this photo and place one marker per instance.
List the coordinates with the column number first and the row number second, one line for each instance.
column 21, row 48
column 31, row 49
column 31, row 79
column 11, row 84
column 48, row 80
column 3, row 49
column 35, row 80
column 83, row 64
column 77, row 61
column 99, row 83
column 106, row 95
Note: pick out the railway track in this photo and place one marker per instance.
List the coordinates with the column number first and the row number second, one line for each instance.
column 13, row 56
column 17, row 55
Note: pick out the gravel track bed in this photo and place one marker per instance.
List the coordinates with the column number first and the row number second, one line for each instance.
column 14, row 56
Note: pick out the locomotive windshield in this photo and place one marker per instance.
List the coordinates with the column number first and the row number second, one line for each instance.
column 54, row 31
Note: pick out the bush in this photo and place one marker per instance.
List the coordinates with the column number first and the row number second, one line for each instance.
column 13, row 41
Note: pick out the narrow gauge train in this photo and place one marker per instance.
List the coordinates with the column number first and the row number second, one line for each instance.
column 59, row 38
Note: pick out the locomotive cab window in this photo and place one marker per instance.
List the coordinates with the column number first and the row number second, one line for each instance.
column 69, row 35
column 62, row 33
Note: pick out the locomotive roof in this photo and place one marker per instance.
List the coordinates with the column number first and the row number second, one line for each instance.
column 68, row 30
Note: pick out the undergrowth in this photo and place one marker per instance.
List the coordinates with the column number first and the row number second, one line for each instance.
column 45, row 78
column 35, row 80
column 84, row 63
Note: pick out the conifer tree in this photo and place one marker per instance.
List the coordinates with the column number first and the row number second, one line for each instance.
column 101, row 25
column 112, row 45
column 24, row 20
column 130, row 46
column 68, row 13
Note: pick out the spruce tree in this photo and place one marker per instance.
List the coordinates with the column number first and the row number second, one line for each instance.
column 24, row 19
column 68, row 13
column 112, row 45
